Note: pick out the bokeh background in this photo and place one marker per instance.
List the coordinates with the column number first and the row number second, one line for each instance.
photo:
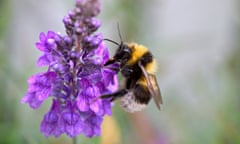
column 196, row 43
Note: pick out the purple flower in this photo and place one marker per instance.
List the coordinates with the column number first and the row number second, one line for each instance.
column 92, row 125
column 75, row 76
column 51, row 123
column 71, row 119
column 40, row 86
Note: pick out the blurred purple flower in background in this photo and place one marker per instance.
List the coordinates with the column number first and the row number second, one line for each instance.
column 75, row 75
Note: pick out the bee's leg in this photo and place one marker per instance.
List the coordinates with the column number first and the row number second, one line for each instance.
column 110, row 64
column 115, row 69
column 115, row 95
column 110, row 61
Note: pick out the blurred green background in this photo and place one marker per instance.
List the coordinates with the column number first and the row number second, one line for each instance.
column 197, row 47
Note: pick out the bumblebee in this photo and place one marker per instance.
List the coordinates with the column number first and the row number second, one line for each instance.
column 138, row 67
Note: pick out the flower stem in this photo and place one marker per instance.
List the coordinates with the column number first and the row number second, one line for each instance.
column 75, row 140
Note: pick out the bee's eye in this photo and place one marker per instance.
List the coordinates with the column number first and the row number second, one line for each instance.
column 126, row 50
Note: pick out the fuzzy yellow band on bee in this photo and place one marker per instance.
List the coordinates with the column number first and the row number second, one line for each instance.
column 151, row 68
column 138, row 52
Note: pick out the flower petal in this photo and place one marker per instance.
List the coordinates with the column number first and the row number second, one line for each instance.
column 43, row 61
column 71, row 118
column 40, row 86
column 92, row 125
column 42, row 37
column 82, row 103
column 50, row 123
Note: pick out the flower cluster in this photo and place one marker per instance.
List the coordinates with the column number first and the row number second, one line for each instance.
column 75, row 76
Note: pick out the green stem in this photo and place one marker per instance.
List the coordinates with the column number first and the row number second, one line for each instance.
column 75, row 140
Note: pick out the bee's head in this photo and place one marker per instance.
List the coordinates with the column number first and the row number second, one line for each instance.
column 122, row 55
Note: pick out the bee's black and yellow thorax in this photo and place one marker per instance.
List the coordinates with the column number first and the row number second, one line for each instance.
column 140, row 53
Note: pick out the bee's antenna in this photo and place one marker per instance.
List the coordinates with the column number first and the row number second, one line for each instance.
column 119, row 33
column 106, row 39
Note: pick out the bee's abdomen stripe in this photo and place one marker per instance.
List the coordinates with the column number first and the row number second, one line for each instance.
column 142, row 94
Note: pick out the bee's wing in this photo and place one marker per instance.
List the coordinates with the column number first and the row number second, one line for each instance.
column 153, row 86
column 156, row 88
